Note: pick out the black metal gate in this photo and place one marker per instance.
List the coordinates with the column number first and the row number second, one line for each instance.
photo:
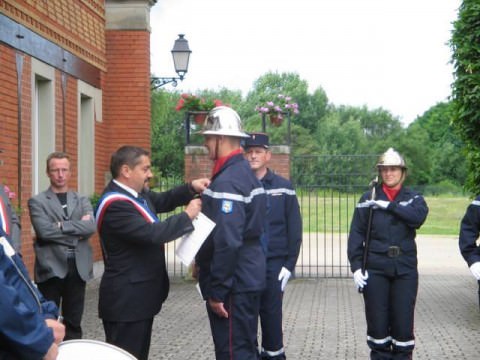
column 328, row 188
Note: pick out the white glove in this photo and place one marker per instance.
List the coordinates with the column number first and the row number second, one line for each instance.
column 359, row 279
column 475, row 269
column 283, row 277
column 382, row 204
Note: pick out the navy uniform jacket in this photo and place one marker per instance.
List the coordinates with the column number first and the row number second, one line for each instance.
column 395, row 226
column 284, row 231
column 232, row 260
column 23, row 331
column 135, row 281
column 469, row 232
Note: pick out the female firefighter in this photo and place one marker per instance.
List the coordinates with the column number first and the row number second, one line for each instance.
column 386, row 269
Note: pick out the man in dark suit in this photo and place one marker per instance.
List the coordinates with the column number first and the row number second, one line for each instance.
column 63, row 222
column 135, row 282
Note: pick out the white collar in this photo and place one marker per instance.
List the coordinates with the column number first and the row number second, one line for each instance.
column 126, row 188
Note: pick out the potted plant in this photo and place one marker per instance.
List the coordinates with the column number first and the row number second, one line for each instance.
column 197, row 106
column 276, row 109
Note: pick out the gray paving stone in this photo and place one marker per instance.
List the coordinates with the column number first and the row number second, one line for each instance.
column 324, row 318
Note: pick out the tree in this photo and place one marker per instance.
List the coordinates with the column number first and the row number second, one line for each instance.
column 466, row 87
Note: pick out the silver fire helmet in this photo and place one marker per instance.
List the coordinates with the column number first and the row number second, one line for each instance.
column 391, row 157
column 223, row 120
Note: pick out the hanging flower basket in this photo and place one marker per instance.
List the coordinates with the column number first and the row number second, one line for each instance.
column 199, row 116
column 276, row 119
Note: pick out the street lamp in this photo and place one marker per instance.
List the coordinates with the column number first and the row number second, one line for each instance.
column 181, row 54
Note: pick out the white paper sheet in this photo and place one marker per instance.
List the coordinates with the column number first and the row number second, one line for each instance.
column 190, row 243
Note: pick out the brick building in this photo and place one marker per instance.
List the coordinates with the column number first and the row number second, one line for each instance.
column 74, row 77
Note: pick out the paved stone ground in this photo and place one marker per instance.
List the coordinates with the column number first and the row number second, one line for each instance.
column 324, row 318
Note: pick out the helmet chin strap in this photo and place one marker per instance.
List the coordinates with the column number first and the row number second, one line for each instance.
column 217, row 144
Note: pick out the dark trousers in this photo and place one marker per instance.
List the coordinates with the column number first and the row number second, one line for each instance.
column 389, row 309
column 69, row 295
column 271, row 313
column 235, row 338
column 131, row 336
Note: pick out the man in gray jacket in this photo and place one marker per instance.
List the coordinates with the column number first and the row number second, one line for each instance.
column 63, row 222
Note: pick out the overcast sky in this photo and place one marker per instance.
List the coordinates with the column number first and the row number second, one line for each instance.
column 392, row 54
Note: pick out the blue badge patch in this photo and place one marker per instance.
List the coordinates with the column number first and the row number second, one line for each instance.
column 227, row 206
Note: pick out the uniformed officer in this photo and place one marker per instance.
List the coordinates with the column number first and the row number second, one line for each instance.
column 469, row 233
column 390, row 281
column 231, row 262
column 283, row 237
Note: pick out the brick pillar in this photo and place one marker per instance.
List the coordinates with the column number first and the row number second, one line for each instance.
column 127, row 111
column 198, row 164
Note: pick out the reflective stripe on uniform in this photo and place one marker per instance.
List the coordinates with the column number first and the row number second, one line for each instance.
column 236, row 197
column 364, row 204
column 379, row 341
column 280, row 191
column 273, row 353
column 403, row 343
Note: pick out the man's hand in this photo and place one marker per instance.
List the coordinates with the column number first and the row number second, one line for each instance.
column 475, row 269
column 199, row 185
column 218, row 308
column 193, row 208
column 283, row 276
column 58, row 329
column 52, row 352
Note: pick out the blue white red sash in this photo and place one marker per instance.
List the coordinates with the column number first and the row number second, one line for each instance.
column 110, row 197
column 3, row 217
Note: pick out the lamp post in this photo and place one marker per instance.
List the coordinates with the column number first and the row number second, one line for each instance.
column 181, row 54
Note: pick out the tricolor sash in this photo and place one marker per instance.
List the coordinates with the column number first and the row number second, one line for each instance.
column 3, row 217
column 110, row 197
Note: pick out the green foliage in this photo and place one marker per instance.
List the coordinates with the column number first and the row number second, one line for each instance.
column 465, row 44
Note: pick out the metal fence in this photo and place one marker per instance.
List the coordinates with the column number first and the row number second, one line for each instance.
column 328, row 188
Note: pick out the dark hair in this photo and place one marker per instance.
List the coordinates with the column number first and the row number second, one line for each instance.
column 56, row 155
column 126, row 155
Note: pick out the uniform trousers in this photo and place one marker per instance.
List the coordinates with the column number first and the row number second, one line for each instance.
column 389, row 308
column 131, row 336
column 235, row 337
column 271, row 313
column 69, row 295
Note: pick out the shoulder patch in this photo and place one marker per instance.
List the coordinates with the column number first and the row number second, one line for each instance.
column 227, row 206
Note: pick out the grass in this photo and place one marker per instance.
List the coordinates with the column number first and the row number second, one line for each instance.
column 329, row 211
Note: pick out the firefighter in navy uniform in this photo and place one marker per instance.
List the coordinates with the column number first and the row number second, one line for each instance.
column 390, row 281
column 283, row 237
column 231, row 262
column 467, row 241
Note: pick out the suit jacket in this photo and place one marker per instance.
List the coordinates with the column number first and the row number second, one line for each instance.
column 135, row 281
column 13, row 223
column 52, row 241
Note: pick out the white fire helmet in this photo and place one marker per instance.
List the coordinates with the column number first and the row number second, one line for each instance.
column 223, row 120
column 391, row 157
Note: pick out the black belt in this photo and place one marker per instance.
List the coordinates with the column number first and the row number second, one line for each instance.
column 394, row 251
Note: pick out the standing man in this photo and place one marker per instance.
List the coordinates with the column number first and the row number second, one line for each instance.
column 135, row 282
column 390, row 280
column 283, row 238
column 63, row 222
column 231, row 262
column 469, row 233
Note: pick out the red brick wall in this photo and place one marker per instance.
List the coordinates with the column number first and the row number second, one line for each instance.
column 127, row 89
column 75, row 25
column 198, row 164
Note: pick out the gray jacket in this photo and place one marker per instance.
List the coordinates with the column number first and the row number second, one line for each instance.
column 53, row 241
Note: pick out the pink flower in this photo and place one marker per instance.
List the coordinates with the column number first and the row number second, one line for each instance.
column 11, row 195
